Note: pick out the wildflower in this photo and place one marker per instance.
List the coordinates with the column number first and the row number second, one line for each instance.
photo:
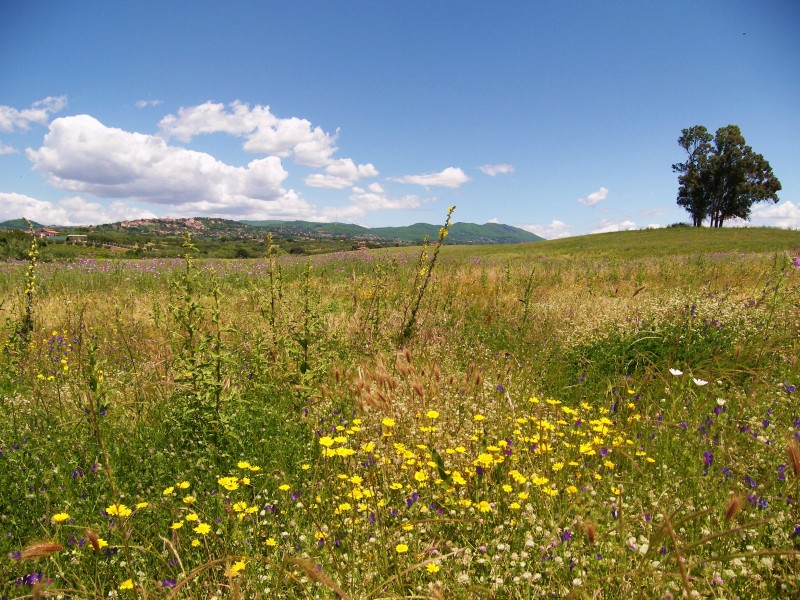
column 284, row 487
column 126, row 585
column 183, row 485
column 432, row 568
column 401, row 548
column 478, row 417
column 271, row 542
column 388, row 422
column 169, row 583
column 142, row 505
column 676, row 372
column 191, row 517
column 432, row 414
column 176, row 525
column 229, row 483
column 195, row 543
column 236, row 568
column 168, row 491
column 326, row 441
column 189, row 499
column 700, row 382
column 202, row 528
column 484, row 506
column 60, row 517
column 119, row 510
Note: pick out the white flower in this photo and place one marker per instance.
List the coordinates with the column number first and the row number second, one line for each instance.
column 699, row 381
column 676, row 372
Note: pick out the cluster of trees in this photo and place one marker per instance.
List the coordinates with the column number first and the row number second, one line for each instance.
column 722, row 177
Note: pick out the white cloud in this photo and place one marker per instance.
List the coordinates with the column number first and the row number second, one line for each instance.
column 653, row 212
column 609, row 225
column 146, row 103
column 264, row 132
column 555, row 230
column 4, row 149
column 82, row 155
column 492, row 170
column 70, row 211
column 655, row 226
column 372, row 198
column 785, row 215
column 341, row 174
column 39, row 113
column 594, row 197
column 493, row 220
column 451, row 177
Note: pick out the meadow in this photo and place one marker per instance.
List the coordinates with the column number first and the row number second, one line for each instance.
column 611, row 416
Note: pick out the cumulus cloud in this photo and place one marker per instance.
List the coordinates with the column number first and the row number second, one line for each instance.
column 451, row 177
column 82, row 155
column 69, row 211
column 555, row 230
column 609, row 225
column 494, row 220
column 12, row 119
column 493, row 170
column 341, row 174
column 785, row 215
column 594, row 197
column 264, row 133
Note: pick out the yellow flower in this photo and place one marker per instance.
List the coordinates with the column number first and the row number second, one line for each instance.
column 195, row 543
column 271, row 542
column 183, row 485
column 243, row 464
column 388, row 422
column 192, row 517
column 326, row 441
column 142, row 505
column 202, row 528
column 240, row 506
column 284, row 487
column 432, row 568
column 189, row 499
column 421, row 476
column 305, row 466
column 176, row 525
column 458, row 478
column 229, row 483
column 119, row 510
column 401, row 548
column 237, row 568
column 126, row 585
column 479, row 417
column 168, row 491
column 60, row 517
column 484, row 506
column 395, row 486
column 432, row 414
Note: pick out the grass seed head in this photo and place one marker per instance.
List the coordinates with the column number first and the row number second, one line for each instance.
column 40, row 550
column 794, row 456
column 734, row 506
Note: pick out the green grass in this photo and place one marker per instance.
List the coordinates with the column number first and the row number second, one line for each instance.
column 600, row 417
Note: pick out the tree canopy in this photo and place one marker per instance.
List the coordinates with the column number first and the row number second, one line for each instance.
column 721, row 177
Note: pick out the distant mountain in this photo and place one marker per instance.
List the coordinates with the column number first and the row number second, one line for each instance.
column 19, row 224
column 460, row 233
column 218, row 229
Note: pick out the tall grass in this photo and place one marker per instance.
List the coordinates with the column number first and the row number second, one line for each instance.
column 558, row 424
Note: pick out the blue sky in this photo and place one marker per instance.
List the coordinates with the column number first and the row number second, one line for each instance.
column 561, row 117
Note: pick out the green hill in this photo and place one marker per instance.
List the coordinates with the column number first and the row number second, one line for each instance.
column 460, row 233
column 17, row 224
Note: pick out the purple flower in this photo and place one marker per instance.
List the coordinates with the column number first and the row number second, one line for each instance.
column 169, row 583
column 749, row 481
column 567, row 535
column 781, row 472
column 708, row 458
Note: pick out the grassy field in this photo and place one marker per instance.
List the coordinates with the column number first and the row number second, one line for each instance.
column 609, row 416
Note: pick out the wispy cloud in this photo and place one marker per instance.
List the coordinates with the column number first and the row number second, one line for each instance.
column 451, row 177
column 146, row 103
column 12, row 119
column 594, row 197
column 4, row 149
column 493, row 170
